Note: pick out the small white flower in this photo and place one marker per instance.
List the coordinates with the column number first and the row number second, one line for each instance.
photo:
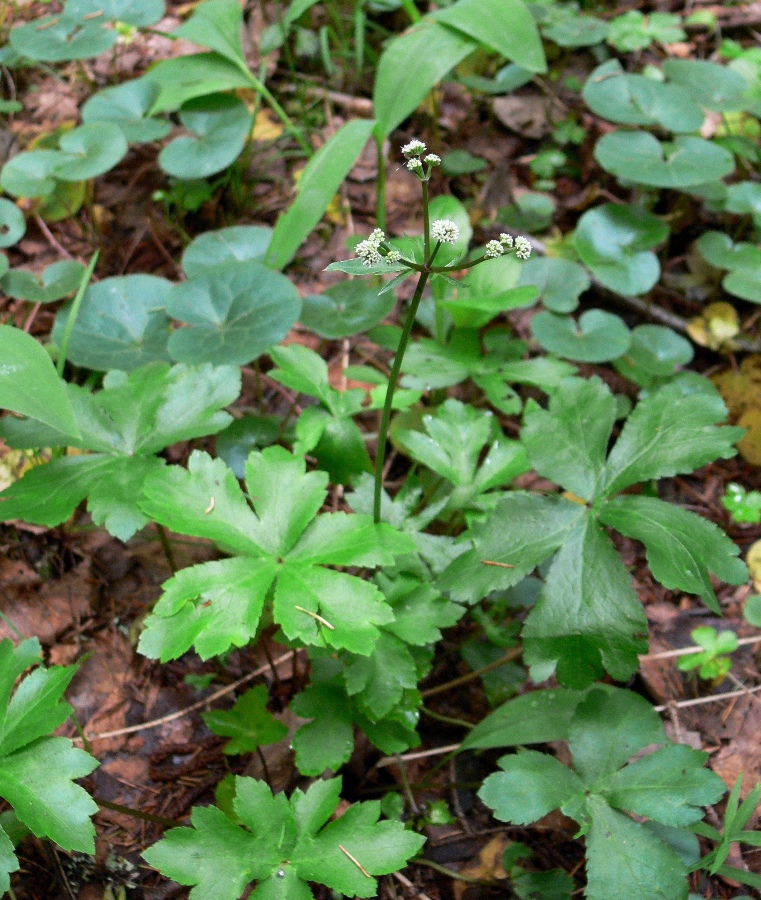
column 414, row 165
column 522, row 248
column 414, row 148
column 393, row 256
column 506, row 240
column 445, row 230
column 432, row 159
column 368, row 251
column 494, row 249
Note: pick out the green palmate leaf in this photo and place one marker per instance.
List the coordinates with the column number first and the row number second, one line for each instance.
column 347, row 308
column 127, row 106
column 669, row 786
column 638, row 100
column 183, row 78
column 138, row 13
column 326, row 742
column 382, row 677
column 681, row 547
column 61, row 38
column 216, row 605
column 89, row 151
column 220, row 124
column 519, row 534
column 531, row 785
column 125, row 424
column 238, row 243
column 669, row 433
column 607, row 729
column 249, row 724
column 451, row 446
column 233, row 312
column 639, row 157
column 29, row 383
column 411, row 65
column 627, row 861
column 37, row 771
column 12, row 223
column 598, row 336
column 560, row 282
column 122, row 324
column 568, row 442
column 508, row 28
column 216, row 24
column 589, row 587
column 287, row 844
column 615, row 242
column 321, row 178
column 55, row 282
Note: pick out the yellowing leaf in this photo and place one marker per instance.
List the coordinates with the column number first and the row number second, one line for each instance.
column 753, row 561
column 716, row 327
column 266, row 127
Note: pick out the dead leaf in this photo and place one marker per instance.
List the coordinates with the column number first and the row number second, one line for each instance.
column 531, row 115
column 715, row 327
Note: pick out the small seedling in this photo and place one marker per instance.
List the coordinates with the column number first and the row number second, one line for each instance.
column 713, row 662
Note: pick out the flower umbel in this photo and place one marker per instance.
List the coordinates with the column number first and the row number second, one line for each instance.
column 445, row 230
column 369, row 249
column 494, row 249
column 414, row 148
column 522, row 248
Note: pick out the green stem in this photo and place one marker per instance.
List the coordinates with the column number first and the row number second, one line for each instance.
column 166, row 547
column 393, row 378
column 426, row 226
column 380, row 200
column 443, row 870
column 511, row 655
column 74, row 312
column 261, row 88
column 447, row 720
column 136, row 813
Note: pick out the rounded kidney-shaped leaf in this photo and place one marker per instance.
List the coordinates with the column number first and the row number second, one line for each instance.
column 636, row 100
column 220, row 124
column 560, row 282
column 139, row 13
column 127, row 106
column 640, row 158
column 346, row 308
column 12, row 223
column 30, row 174
column 744, row 283
column 719, row 251
column 655, row 352
column 238, row 243
column 58, row 280
column 576, row 31
column 744, row 198
column 597, row 337
column 614, row 240
column 89, row 151
column 711, row 85
column 62, row 38
column 233, row 312
column 121, row 324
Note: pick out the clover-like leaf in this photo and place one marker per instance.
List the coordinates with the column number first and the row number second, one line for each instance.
column 233, row 312
column 713, row 86
column 89, row 151
column 598, row 336
column 12, row 223
column 347, row 308
column 220, row 124
column 238, row 243
column 30, row 174
column 122, row 323
column 629, row 99
column 560, row 282
column 56, row 281
column 615, row 241
column 656, row 353
column 124, row 425
column 62, row 38
column 639, row 157
column 127, row 106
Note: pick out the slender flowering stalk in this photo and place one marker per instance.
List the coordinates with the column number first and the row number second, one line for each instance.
column 375, row 249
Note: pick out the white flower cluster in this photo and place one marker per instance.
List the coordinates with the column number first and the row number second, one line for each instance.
column 372, row 251
column 495, row 249
column 412, row 152
column 445, row 230
column 369, row 249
